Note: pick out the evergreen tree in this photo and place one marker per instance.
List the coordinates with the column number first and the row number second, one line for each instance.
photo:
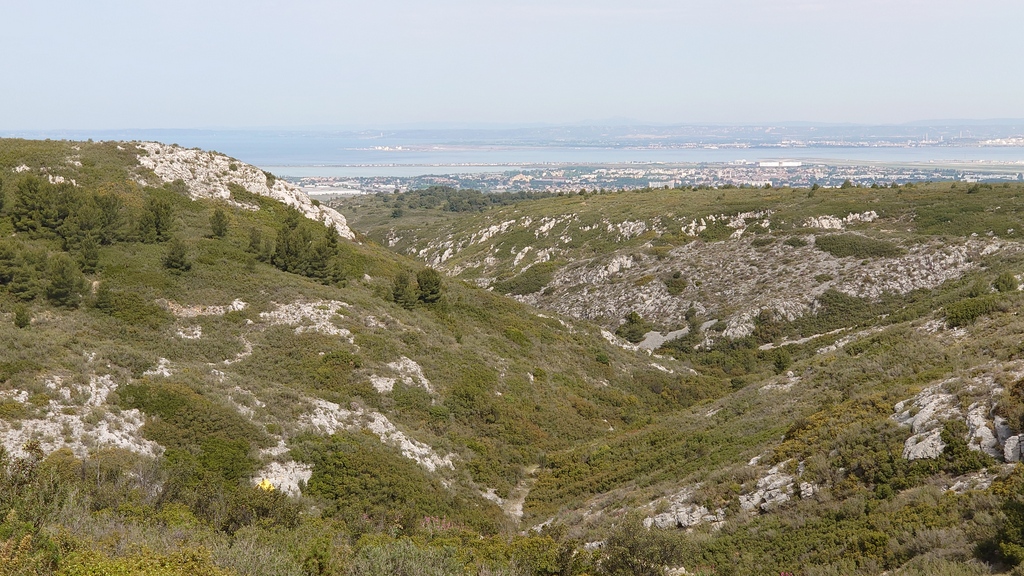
column 104, row 300
column 155, row 222
column 255, row 241
column 219, row 223
column 22, row 318
column 429, row 285
column 26, row 275
column 291, row 250
column 176, row 259
column 111, row 209
column 65, row 284
column 85, row 220
column 38, row 207
column 262, row 248
column 89, row 254
column 9, row 253
column 320, row 255
column 403, row 292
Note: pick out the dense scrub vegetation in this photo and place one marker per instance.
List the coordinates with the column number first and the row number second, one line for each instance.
column 530, row 409
column 454, row 199
column 856, row 246
column 88, row 270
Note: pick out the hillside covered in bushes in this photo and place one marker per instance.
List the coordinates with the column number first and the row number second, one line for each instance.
column 205, row 372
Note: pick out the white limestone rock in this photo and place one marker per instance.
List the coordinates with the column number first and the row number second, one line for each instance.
column 772, row 490
column 328, row 418
column 288, row 477
column 926, row 445
column 162, row 368
column 980, row 433
column 310, row 317
column 1011, row 449
column 194, row 310
column 681, row 513
column 80, row 421
column 807, row 490
column 207, row 175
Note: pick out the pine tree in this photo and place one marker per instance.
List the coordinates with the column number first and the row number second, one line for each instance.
column 429, row 285
column 22, row 318
column 89, row 254
column 24, row 284
column 9, row 253
column 219, row 223
column 403, row 291
column 155, row 222
column 65, row 283
column 176, row 259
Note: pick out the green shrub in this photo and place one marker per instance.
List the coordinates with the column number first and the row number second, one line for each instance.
column 216, row 437
column 857, row 246
column 194, row 562
column 529, row 281
column 65, row 284
column 176, row 260
column 676, row 284
column 633, row 550
column 964, row 312
column 634, row 328
column 271, row 179
column 240, row 194
column 957, row 457
column 795, row 242
column 836, row 309
column 22, row 317
column 1005, row 282
column 129, row 307
column 404, row 558
column 370, row 484
column 716, row 232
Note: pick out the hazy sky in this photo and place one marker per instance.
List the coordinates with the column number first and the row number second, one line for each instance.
column 386, row 63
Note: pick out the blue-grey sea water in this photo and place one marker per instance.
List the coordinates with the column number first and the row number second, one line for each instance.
column 320, row 153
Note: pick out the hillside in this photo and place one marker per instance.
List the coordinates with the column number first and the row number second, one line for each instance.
column 815, row 382
column 179, row 305
column 866, row 336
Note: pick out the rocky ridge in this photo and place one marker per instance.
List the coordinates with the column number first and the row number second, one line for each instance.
column 208, row 174
column 733, row 280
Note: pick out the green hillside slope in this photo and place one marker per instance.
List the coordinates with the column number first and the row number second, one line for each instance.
column 869, row 339
column 234, row 340
column 824, row 382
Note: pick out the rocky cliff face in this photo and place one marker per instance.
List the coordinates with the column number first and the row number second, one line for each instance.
column 208, row 175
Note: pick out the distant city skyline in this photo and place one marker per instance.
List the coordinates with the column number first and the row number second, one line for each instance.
column 229, row 64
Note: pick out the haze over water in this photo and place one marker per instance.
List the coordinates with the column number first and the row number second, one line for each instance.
column 418, row 152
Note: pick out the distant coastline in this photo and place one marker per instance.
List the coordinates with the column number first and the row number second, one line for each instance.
column 407, row 153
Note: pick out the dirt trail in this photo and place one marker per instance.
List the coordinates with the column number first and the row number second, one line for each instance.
column 513, row 505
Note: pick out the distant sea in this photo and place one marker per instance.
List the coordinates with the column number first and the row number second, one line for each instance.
column 368, row 163
column 368, row 154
